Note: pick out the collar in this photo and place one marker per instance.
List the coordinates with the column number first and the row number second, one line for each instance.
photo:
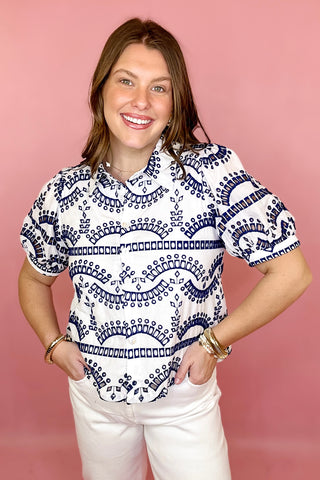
column 161, row 170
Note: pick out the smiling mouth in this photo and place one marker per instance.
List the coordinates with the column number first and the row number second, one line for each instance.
column 136, row 121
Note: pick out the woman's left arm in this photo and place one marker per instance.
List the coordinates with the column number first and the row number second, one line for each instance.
column 284, row 279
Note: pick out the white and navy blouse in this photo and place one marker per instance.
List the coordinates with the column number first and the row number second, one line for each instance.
column 146, row 258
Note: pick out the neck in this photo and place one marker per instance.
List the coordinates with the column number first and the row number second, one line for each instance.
column 123, row 167
column 127, row 159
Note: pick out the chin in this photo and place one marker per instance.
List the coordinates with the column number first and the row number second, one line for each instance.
column 137, row 144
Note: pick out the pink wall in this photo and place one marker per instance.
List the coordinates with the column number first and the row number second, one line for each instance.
column 255, row 70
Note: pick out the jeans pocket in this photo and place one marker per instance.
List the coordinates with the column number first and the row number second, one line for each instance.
column 79, row 381
column 84, row 389
column 198, row 386
column 211, row 380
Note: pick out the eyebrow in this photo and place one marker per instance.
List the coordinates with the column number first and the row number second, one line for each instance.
column 127, row 72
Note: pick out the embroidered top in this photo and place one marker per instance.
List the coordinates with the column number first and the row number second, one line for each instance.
column 146, row 258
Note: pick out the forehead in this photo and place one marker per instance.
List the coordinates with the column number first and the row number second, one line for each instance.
column 137, row 57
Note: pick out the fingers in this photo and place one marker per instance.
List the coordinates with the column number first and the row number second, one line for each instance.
column 68, row 357
column 199, row 376
column 198, row 363
column 84, row 364
column 181, row 372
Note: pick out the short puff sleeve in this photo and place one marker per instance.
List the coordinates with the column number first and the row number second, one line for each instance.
column 252, row 222
column 41, row 235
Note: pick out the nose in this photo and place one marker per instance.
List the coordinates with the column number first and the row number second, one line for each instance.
column 141, row 98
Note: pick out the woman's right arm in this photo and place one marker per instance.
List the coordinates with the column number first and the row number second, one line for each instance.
column 36, row 301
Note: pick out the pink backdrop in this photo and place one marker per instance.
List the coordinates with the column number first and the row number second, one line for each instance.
column 254, row 66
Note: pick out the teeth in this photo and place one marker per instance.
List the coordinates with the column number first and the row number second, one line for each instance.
column 138, row 121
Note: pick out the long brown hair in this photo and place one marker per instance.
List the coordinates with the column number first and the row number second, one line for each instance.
column 184, row 117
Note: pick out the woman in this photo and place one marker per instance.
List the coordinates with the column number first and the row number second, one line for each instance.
column 142, row 224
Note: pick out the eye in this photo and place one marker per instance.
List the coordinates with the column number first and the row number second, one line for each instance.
column 159, row 89
column 126, row 81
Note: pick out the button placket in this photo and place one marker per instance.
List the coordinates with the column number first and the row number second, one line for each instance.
column 125, row 267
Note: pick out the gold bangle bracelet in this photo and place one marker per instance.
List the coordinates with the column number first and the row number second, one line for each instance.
column 52, row 346
column 203, row 341
column 214, row 338
column 217, row 351
column 221, row 352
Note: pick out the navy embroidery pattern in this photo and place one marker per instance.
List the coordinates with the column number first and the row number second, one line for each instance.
column 146, row 258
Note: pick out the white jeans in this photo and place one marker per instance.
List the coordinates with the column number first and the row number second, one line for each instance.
column 182, row 434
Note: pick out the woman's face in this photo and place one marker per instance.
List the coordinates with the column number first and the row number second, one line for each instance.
column 137, row 100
